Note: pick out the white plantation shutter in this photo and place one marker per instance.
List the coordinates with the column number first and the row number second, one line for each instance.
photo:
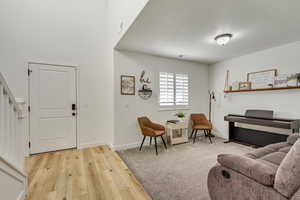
column 173, row 89
column 166, row 89
column 182, row 90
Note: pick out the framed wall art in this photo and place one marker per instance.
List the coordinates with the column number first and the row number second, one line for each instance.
column 127, row 85
column 262, row 79
column 244, row 85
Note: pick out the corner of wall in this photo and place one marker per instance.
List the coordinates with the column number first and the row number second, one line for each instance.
column 124, row 13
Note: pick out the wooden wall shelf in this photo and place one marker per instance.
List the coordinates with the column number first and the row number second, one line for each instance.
column 263, row 89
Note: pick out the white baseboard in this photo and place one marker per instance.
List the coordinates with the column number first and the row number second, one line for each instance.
column 218, row 134
column 125, row 146
column 111, row 146
column 22, row 195
column 91, row 144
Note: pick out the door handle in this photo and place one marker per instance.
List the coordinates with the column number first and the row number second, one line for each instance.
column 73, row 114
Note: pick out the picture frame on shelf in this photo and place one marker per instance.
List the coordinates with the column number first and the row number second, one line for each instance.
column 127, row 85
column 245, row 85
column 281, row 81
column 235, row 85
column 298, row 79
column 262, row 79
column 292, row 80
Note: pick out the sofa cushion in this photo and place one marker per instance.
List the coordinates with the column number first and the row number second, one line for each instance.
column 285, row 149
column 249, row 167
column 278, row 146
column 258, row 153
column 287, row 179
column 275, row 158
column 261, row 152
column 269, row 163
column 293, row 138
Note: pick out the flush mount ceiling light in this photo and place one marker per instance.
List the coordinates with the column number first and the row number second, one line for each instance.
column 223, row 39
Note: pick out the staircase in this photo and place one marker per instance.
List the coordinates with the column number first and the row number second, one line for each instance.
column 13, row 180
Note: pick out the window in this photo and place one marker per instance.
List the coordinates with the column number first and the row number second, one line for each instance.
column 182, row 90
column 173, row 89
column 166, row 89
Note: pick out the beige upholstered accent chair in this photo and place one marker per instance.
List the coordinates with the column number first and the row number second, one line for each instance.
column 200, row 122
column 151, row 130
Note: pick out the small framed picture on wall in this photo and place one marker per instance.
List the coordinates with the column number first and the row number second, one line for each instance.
column 127, row 85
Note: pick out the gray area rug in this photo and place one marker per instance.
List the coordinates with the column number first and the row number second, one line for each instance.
column 179, row 173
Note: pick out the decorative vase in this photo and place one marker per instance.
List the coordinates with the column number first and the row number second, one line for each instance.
column 181, row 119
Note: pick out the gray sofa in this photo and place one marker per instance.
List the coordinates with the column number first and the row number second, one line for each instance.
column 268, row 173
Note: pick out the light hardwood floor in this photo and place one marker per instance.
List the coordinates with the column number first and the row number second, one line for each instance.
column 87, row 174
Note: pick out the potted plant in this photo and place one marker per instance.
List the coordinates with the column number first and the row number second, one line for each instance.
column 180, row 116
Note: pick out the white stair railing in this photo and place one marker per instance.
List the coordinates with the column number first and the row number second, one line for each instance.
column 12, row 155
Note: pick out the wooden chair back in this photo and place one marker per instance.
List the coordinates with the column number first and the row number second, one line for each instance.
column 199, row 119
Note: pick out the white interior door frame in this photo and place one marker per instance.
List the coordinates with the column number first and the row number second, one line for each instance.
column 77, row 74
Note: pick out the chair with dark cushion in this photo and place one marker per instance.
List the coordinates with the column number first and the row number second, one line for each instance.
column 151, row 130
column 200, row 122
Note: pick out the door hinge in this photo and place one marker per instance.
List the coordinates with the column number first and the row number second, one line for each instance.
column 29, row 108
column 29, row 71
column 29, row 145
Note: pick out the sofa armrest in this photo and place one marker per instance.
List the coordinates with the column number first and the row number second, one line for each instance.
column 249, row 167
column 292, row 139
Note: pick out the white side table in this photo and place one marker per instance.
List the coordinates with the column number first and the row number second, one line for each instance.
column 177, row 133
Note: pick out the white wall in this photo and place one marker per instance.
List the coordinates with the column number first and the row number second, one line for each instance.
column 82, row 33
column 69, row 32
column 125, row 110
column 123, row 12
column 128, row 108
column 285, row 103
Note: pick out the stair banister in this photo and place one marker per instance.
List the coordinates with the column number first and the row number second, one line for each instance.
column 12, row 154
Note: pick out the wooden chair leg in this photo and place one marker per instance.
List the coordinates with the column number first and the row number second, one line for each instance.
column 150, row 141
column 191, row 136
column 205, row 133
column 195, row 135
column 155, row 145
column 162, row 138
column 209, row 136
column 142, row 143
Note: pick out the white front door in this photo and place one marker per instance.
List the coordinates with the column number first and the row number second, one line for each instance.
column 52, row 118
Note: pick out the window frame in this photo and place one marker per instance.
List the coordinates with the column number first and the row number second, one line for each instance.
column 174, row 106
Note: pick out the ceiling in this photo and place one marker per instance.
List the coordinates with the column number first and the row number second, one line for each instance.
column 172, row 27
